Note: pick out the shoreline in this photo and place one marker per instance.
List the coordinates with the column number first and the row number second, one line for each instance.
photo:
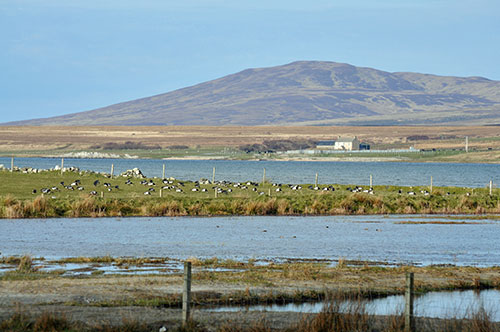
column 115, row 155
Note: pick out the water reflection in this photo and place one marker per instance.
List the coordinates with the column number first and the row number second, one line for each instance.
column 458, row 304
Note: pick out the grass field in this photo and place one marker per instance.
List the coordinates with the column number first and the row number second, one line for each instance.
column 52, row 194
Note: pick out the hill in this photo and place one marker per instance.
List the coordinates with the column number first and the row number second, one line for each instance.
column 308, row 93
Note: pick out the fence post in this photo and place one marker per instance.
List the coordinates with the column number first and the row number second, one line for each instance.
column 163, row 174
column 316, row 180
column 409, row 318
column 213, row 176
column 371, row 181
column 186, row 293
column 264, row 176
column 12, row 165
column 62, row 165
column 112, row 170
column 491, row 187
column 431, row 184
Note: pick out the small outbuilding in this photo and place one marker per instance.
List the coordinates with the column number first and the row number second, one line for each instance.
column 325, row 145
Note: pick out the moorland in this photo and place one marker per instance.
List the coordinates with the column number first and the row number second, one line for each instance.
column 443, row 144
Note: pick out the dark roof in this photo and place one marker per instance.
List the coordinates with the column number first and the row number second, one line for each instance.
column 326, row 143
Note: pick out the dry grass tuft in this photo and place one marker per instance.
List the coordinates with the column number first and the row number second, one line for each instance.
column 25, row 264
column 51, row 322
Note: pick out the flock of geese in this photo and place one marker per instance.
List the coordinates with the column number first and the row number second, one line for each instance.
column 220, row 187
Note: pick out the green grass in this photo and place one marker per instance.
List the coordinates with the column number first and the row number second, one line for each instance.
column 18, row 201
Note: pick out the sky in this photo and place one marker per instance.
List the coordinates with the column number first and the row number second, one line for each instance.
column 59, row 57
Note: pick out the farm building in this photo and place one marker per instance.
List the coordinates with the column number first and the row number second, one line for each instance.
column 346, row 144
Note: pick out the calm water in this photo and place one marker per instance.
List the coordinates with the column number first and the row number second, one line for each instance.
column 459, row 304
column 386, row 173
column 374, row 238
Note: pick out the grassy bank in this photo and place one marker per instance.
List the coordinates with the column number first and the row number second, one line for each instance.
column 95, row 195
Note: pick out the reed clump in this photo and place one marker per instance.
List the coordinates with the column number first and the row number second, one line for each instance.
column 51, row 322
column 339, row 314
column 87, row 207
column 39, row 207
column 169, row 208
column 25, row 265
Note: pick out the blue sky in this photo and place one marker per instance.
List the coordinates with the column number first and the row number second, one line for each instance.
column 59, row 57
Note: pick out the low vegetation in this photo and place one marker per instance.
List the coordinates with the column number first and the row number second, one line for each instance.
column 278, row 145
column 128, row 145
column 248, row 283
column 50, row 194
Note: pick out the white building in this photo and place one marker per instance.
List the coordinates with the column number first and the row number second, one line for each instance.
column 346, row 143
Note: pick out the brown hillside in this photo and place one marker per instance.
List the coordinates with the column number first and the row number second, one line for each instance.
column 308, row 93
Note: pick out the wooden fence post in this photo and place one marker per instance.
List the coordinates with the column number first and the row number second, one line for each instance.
column 264, row 176
column 371, row 181
column 491, row 187
column 213, row 176
column 316, row 180
column 163, row 174
column 112, row 170
column 62, row 165
column 431, row 184
column 12, row 165
column 186, row 293
column 409, row 318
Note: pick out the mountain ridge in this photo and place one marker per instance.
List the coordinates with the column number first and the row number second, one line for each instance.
column 307, row 93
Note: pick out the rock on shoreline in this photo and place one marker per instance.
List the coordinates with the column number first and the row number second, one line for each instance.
column 131, row 173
